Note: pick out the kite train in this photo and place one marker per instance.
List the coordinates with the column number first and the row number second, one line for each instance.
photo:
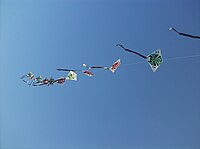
column 38, row 81
column 154, row 59
column 72, row 75
column 184, row 34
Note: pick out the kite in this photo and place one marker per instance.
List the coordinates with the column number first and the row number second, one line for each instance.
column 88, row 73
column 28, row 78
column 50, row 81
column 184, row 34
column 39, row 82
column 115, row 65
column 60, row 80
column 155, row 59
column 71, row 76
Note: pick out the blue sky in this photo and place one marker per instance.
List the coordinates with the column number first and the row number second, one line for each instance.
column 133, row 108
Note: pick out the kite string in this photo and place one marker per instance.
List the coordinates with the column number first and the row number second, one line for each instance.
column 166, row 59
column 181, row 57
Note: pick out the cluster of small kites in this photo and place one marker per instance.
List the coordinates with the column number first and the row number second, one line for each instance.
column 154, row 60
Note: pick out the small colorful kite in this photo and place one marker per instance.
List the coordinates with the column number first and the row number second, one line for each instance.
column 155, row 59
column 71, row 76
column 28, row 78
column 39, row 82
column 88, row 73
column 115, row 65
column 61, row 80
column 50, row 81
column 184, row 34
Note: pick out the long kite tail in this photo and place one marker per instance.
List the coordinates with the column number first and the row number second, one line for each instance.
column 132, row 51
column 28, row 82
column 41, row 84
column 95, row 67
column 24, row 76
column 61, row 69
column 184, row 34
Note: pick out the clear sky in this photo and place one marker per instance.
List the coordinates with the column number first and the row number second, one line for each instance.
column 133, row 108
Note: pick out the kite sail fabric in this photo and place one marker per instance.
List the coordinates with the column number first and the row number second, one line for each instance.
column 60, row 80
column 184, row 34
column 28, row 78
column 37, row 81
column 71, row 76
column 51, row 81
column 40, row 82
column 88, row 73
column 155, row 59
column 114, row 67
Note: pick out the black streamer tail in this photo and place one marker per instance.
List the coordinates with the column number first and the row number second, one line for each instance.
column 101, row 67
column 184, row 34
column 132, row 51
column 61, row 69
